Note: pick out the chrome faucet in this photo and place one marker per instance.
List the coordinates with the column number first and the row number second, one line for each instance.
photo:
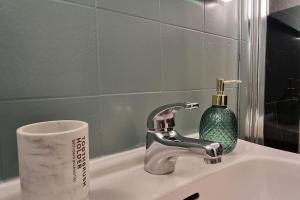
column 164, row 144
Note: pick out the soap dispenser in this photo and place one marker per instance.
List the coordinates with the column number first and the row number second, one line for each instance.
column 219, row 123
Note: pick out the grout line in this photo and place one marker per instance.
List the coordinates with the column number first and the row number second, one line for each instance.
column 100, row 132
column 76, row 4
column 238, row 100
column 204, row 10
column 161, row 49
column 128, row 14
column 182, row 27
column 106, row 95
column 222, row 36
column 159, row 10
column 45, row 98
column 164, row 91
column 100, row 89
column 164, row 23
column 162, row 58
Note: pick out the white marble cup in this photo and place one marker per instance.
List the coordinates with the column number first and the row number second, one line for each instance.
column 53, row 160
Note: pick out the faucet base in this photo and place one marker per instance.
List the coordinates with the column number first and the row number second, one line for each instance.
column 156, row 172
column 161, row 167
column 213, row 161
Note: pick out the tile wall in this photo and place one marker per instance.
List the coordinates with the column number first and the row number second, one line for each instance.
column 110, row 63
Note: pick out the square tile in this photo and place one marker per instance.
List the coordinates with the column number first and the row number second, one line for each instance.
column 183, row 58
column 83, row 2
column 221, row 60
column 47, row 49
column 15, row 114
column 124, row 120
column 221, row 18
column 143, row 8
column 189, row 14
column 130, row 54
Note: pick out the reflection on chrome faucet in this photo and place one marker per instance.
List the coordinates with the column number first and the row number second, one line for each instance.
column 164, row 144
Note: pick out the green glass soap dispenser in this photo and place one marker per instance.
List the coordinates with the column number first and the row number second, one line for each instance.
column 219, row 123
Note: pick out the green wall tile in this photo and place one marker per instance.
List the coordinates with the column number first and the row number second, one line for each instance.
column 222, row 18
column 183, row 58
column 130, row 57
column 220, row 59
column 124, row 120
column 47, row 49
column 189, row 14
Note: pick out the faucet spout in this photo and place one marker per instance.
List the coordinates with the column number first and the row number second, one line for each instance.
column 162, row 151
column 164, row 145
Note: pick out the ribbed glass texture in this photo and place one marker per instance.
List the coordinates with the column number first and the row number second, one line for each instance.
column 219, row 124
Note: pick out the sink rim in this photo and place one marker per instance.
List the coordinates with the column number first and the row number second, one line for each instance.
column 250, row 160
column 125, row 165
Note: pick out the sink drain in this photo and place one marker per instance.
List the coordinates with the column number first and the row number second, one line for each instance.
column 193, row 197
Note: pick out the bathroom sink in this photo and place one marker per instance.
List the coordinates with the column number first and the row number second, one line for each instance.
column 250, row 179
column 251, row 172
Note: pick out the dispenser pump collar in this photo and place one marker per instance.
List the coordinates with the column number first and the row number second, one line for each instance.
column 220, row 99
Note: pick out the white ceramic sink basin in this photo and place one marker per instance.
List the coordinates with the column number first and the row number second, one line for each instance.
column 251, row 172
column 250, row 179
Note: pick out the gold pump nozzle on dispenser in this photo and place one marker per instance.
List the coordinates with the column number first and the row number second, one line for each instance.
column 220, row 99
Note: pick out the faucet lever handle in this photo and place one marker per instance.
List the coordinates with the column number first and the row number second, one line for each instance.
column 163, row 117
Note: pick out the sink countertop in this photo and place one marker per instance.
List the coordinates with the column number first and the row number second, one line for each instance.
column 121, row 176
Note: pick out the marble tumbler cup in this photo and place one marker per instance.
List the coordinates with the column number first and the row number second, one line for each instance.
column 54, row 160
